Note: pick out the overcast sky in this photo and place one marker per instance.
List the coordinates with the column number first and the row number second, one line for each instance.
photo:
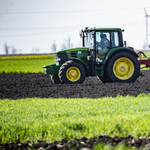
column 30, row 24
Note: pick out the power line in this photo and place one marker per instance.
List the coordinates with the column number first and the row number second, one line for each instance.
column 31, row 28
column 12, row 20
column 78, row 11
column 19, row 35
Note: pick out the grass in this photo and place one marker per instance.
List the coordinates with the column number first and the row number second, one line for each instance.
column 24, row 65
column 34, row 119
column 20, row 57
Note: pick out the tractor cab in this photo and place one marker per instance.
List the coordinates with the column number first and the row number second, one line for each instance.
column 101, row 40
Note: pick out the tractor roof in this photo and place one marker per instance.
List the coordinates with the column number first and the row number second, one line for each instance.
column 104, row 29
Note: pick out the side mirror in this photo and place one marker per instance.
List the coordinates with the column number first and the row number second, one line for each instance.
column 125, row 43
column 81, row 33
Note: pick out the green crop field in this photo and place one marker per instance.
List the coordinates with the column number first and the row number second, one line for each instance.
column 25, row 64
column 34, row 119
column 28, row 64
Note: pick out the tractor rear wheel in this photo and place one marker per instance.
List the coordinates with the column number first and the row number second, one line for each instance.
column 72, row 72
column 55, row 79
column 122, row 67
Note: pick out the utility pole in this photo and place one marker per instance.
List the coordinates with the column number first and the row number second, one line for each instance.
column 147, row 41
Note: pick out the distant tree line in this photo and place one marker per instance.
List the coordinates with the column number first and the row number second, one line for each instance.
column 7, row 49
column 67, row 44
column 12, row 50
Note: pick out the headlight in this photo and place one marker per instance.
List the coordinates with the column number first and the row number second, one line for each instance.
column 57, row 59
column 61, row 58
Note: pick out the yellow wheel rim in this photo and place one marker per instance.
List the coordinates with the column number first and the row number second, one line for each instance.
column 123, row 68
column 73, row 74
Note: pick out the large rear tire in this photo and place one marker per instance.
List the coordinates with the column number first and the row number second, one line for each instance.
column 72, row 72
column 122, row 67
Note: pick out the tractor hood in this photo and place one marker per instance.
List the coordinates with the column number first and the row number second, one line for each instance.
column 73, row 49
column 79, row 53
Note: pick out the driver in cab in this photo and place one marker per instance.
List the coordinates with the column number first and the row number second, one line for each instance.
column 103, row 46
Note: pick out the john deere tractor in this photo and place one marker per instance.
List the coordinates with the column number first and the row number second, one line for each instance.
column 104, row 54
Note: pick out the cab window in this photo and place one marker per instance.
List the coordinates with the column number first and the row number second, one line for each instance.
column 90, row 40
column 114, row 39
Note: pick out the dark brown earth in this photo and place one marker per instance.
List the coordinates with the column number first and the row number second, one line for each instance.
column 16, row 86
column 79, row 144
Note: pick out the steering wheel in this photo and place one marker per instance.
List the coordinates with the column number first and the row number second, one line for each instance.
column 97, row 45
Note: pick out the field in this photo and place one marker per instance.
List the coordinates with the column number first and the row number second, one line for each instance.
column 24, row 64
column 17, row 86
column 46, row 119
column 33, row 109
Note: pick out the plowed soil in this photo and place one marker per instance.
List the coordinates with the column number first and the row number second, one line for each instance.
column 79, row 144
column 16, row 86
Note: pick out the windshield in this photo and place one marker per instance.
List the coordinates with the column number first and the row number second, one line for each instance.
column 89, row 40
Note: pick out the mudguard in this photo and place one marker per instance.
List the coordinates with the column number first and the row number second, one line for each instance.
column 51, row 69
column 114, row 50
column 83, row 64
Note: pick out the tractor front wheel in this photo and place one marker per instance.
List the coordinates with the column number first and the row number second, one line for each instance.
column 55, row 79
column 72, row 72
column 122, row 67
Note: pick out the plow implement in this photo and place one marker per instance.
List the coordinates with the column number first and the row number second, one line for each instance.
column 144, row 60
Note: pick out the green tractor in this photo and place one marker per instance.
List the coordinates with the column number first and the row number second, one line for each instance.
column 104, row 54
